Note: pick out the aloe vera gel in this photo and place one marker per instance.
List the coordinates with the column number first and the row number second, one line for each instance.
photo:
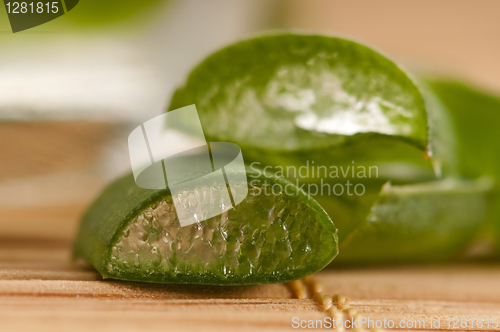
column 131, row 233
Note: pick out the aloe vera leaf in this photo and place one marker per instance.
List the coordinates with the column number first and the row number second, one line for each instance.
column 260, row 93
column 293, row 92
column 130, row 233
column 423, row 222
column 289, row 98
column 476, row 117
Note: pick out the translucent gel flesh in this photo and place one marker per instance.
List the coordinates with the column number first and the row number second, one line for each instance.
column 264, row 235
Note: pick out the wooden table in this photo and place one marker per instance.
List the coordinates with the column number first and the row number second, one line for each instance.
column 41, row 290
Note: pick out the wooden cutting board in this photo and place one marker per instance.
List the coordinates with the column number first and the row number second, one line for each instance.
column 41, row 290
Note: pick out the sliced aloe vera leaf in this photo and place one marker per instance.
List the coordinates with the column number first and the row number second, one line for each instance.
column 419, row 223
column 130, row 233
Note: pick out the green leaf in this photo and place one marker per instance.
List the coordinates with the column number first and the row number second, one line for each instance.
column 289, row 99
column 476, row 117
column 424, row 222
column 292, row 92
column 130, row 233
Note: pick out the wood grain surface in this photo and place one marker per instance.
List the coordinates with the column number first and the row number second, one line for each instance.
column 41, row 290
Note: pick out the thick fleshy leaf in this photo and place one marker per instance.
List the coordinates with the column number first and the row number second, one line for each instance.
column 131, row 233
column 424, row 222
column 292, row 92
column 476, row 117
column 292, row 100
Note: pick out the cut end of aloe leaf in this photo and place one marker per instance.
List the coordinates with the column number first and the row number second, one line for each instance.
column 264, row 239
